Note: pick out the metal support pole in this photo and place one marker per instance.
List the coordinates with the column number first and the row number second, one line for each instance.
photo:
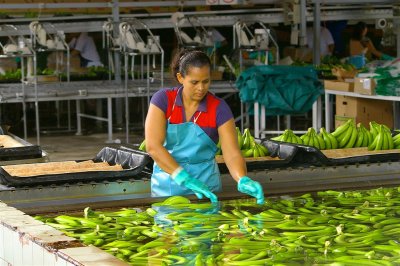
column 78, row 118
column 99, row 110
column 36, row 99
column 256, row 120
column 117, row 59
column 263, row 122
column 109, row 115
column 69, row 115
column 317, row 33
column 57, row 103
column 303, row 23
column 328, row 113
column 23, row 97
column 398, row 39
column 148, row 78
column 126, row 99
column 162, row 69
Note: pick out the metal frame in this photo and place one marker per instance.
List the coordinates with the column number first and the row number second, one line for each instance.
column 23, row 50
column 136, row 191
column 38, row 46
column 241, row 36
column 323, row 10
column 133, row 45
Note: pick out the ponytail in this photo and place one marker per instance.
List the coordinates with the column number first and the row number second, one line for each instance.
column 185, row 59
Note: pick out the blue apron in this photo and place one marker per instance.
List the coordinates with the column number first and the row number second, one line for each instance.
column 195, row 151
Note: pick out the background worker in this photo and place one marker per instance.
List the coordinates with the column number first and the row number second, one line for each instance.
column 182, row 128
column 83, row 45
column 327, row 44
column 361, row 46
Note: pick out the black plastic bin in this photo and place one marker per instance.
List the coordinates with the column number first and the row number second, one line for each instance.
column 133, row 163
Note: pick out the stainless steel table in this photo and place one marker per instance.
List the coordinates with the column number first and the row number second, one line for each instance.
column 328, row 104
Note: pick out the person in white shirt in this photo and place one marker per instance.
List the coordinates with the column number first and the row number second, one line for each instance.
column 84, row 46
column 327, row 44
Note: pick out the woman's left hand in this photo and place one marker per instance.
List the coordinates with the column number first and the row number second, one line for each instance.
column 252, row 188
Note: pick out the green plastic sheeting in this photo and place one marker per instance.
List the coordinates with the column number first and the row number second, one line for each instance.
column 388, row 81
column 283, row 90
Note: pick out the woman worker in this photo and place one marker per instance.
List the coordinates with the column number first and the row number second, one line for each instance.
column 361, row 45
column 182, row 128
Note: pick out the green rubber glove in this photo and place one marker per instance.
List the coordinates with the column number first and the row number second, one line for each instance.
column 252, row 188
column 181, row 177
column 386, row 57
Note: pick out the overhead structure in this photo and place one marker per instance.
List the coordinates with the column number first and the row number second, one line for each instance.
column 258, row 42
column 45, row 37
column 132, row 45
column 18, row 46
column 201, row 39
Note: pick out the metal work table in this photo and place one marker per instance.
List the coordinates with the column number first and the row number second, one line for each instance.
column 85, row 90
column 328, row 104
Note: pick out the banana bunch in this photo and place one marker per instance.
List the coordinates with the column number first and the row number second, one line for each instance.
column 364, row 137
column 289, row 136
column 329, row 139
column 311, row 138
column 249, row 147
column 346, row 134
column 396, row 141
column 374, row 128
column 383, row 139
column 247, row 144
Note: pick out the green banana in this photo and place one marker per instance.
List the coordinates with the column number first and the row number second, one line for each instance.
column 373, row 129
column 285, row 137
column 385, row 142
column 353, row 138
column 347, row 135
column 360, row 136
column 368, row 139
column 342, row 128
column 142, row 146
column 321, row 142
column 327, row 140
column 255, row 152
column 264, row 149
column 396, row 141
column 246, row 140
column 219, row 150
column 298, row 140
column 278, row 138
column 260, row 150
column 379, row 139
column 333, row 140
column 248, row 153
column 67, row 220
column 240, row 138
column 390, row 141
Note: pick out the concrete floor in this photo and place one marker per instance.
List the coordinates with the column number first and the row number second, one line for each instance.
column 72, row 147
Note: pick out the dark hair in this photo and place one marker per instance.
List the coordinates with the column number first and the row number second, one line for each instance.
column 358, row 30
column 187, row 58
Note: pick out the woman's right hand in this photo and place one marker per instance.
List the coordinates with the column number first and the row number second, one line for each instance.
column 181, row 177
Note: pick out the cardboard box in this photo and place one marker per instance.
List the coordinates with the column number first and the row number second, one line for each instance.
column 216, row 75
column 364, row 86
column 342, row 74
column 338, row 85
column 302, row 53
column 364, row 110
